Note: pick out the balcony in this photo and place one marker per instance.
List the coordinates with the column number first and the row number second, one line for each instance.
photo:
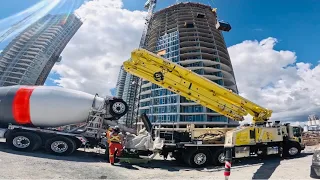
column 23, row 64
column 146, row 85
column 26, row 60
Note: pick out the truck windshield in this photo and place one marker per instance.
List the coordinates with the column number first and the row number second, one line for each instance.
column 296, row 131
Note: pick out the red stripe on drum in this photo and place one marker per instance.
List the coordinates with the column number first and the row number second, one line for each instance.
column 21, row 105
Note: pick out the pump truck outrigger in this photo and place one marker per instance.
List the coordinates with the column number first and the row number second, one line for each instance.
column 261, row 138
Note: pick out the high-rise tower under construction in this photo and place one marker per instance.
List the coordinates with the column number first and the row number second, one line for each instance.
column 188, row 34
column 29, row 58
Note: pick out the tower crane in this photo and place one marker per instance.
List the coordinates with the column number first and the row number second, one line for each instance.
column 150, row 5
column 260, row 138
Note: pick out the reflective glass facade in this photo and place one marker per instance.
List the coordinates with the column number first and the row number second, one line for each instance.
column 29, row 57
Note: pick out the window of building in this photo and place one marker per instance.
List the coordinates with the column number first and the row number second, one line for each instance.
column 184, row 100
column 144, row 111
column 189, row 25
column 210, row 110
column 200, row 15
column 145, row 96
column 217, row 119
column 192, row 118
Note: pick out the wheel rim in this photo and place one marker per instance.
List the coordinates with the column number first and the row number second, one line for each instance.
column 118, row 107
column 293, row 151
column 200, row 158
column 21, row 142
column 59, row 146
column 221, row 158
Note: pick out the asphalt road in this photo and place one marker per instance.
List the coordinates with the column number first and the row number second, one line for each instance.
column 84, row 165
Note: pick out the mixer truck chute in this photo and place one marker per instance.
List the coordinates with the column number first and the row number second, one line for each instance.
column 259, row 138
column 31, row 115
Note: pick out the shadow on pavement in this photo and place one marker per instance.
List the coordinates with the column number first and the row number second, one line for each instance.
column 265, row 171
column 77, row 156
column 267, row 168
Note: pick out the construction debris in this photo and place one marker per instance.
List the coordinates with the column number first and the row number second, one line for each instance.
column 311, row 138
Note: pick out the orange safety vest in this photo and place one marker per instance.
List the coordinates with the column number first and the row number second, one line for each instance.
column 114, row 138
column 108, row 137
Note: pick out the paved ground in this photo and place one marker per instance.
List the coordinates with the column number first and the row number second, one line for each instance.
column 81, row 165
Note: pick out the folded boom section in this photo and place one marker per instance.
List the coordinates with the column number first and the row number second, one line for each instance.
column 184, row 82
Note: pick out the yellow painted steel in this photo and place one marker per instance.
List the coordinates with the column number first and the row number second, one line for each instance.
column 180, row 80
column 242, row 136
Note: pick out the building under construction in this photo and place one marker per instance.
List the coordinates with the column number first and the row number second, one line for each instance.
column 29, row 58
column 188, row 34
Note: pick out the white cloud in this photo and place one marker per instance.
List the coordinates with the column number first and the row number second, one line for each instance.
column 92, row 59
column 264, row 75
column 273, row 79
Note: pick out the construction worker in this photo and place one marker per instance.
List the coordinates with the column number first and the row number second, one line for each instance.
column 108, row 134
column 115, row 144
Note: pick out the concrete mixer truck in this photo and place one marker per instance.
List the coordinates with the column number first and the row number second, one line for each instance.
column 30, row 115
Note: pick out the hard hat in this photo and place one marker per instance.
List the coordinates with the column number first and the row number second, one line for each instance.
column 116, row 129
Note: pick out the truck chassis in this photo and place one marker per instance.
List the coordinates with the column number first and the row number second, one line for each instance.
column 201, row 155
column 56, row 142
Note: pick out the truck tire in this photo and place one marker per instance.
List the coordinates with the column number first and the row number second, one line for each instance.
column 118, row 107
column 198, row 158
column 24, row 141
column 218, row 157
column 291, row 150
column 60, row 145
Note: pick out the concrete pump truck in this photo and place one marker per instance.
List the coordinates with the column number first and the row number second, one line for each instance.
column 261, row 138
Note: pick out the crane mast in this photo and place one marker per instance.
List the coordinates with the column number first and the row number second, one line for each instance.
column 150, row 5
column 182, row 81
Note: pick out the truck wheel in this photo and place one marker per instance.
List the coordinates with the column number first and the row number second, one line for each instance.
column 60, row 145
column 219, row 157
column 291, row 150
column 118, row 107
column 24, row 141
column 199, row 158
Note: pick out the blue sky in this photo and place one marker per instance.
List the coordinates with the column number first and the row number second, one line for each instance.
column 293, row 23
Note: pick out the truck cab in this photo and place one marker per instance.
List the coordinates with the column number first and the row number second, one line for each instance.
column 296, row 134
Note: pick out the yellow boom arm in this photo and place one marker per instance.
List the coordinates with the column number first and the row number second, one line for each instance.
column 184, row 82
